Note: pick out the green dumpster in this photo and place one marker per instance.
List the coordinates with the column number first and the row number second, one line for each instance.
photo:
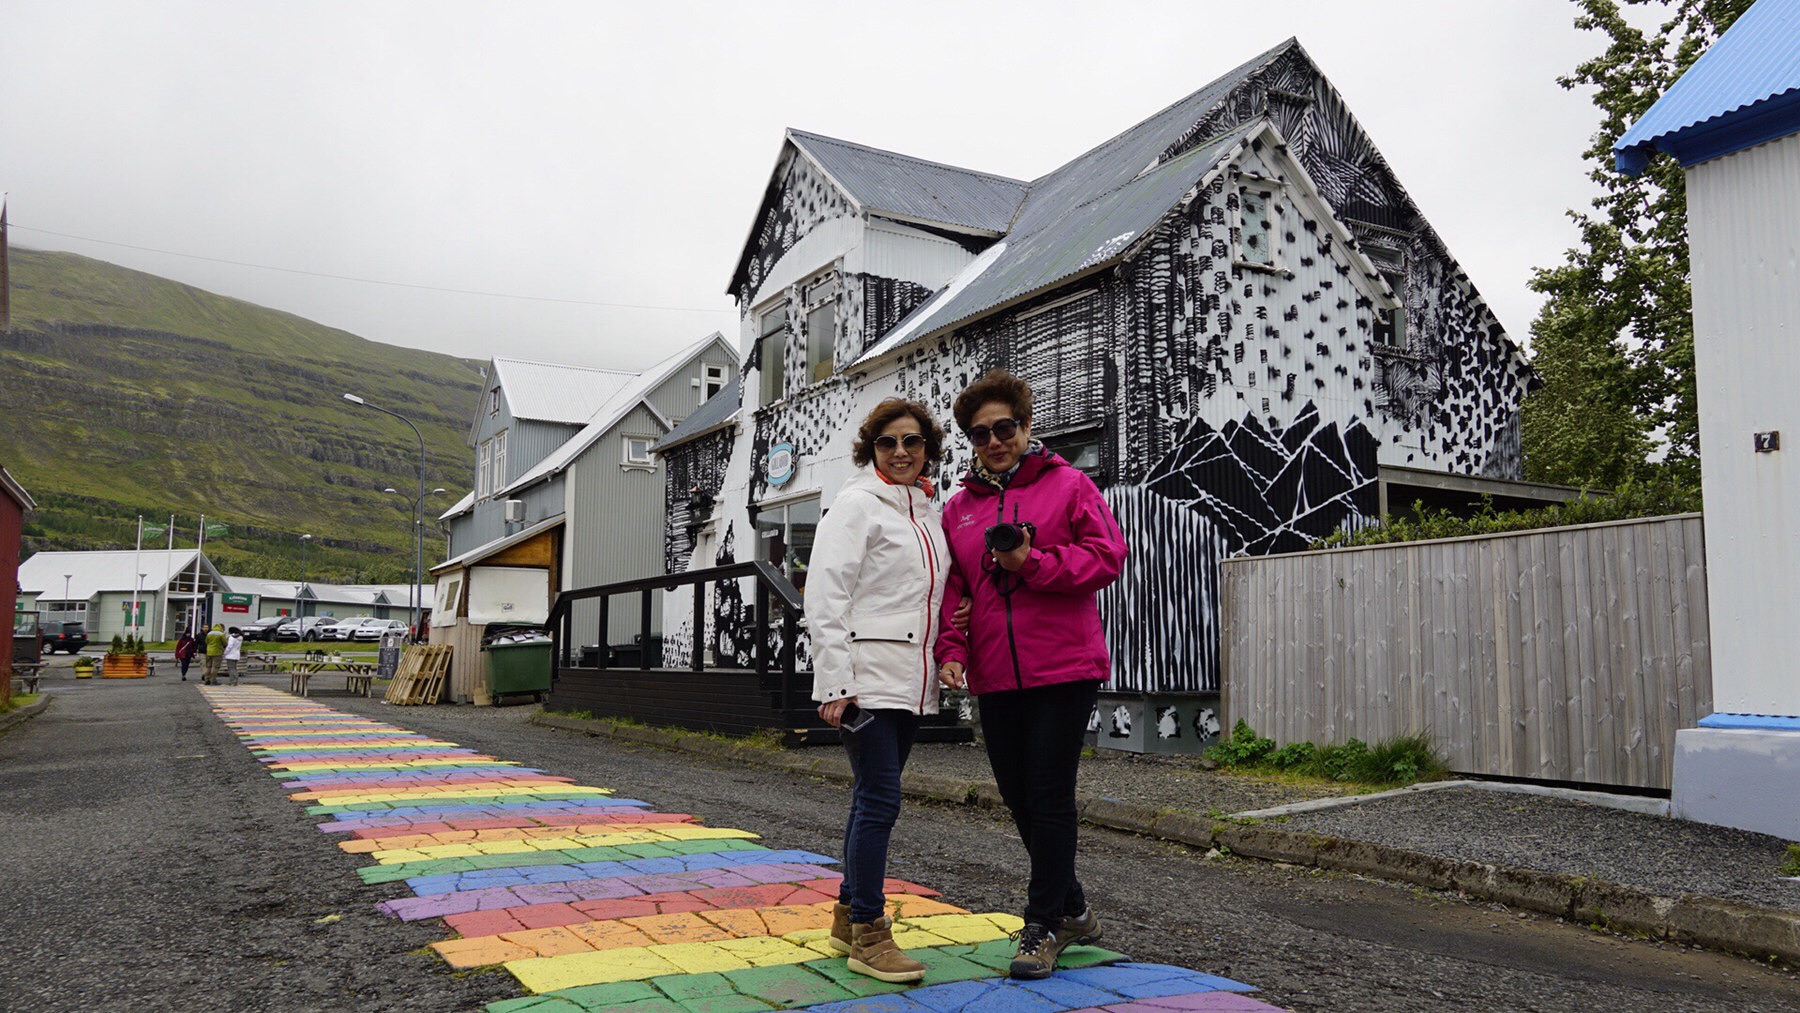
column 518, row 667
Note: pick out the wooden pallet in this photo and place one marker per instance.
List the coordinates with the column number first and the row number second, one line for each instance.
column 420, row 678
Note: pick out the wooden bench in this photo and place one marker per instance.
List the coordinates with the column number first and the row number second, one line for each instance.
column 359, row 677
column 261, row 663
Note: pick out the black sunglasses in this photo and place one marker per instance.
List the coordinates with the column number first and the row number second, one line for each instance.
column 912, row 441
column 1002, row 430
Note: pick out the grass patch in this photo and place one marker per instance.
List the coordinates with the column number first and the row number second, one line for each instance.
column 1404, row 759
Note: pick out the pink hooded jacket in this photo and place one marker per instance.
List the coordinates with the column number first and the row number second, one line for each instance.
column 1048, row 629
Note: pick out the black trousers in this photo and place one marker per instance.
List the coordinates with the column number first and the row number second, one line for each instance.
column 1034, row 739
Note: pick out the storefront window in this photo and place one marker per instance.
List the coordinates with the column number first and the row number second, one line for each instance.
column 785, row 534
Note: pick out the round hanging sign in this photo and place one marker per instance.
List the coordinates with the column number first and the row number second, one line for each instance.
column 778, row 467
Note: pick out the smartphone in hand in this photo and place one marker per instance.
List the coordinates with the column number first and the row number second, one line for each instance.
column 854, row 719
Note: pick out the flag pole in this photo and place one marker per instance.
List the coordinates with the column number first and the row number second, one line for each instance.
column 162, row 602
column 137, row 588
column 199, row 547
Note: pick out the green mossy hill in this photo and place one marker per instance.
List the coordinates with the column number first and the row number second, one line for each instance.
column 126, row 393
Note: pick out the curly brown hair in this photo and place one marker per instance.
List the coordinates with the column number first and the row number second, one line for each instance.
column 886, row 412
column 995, row 385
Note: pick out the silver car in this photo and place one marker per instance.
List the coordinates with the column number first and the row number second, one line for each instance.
column 373, row 629
column 343, row 628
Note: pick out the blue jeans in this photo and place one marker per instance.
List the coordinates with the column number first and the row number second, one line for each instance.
column 877, row 755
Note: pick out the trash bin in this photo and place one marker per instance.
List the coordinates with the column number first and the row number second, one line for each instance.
column 518, row 665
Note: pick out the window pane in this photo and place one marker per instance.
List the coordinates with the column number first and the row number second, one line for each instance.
column 803, row 524
column 1254, row 245
column 821, row 339
column 769, row 352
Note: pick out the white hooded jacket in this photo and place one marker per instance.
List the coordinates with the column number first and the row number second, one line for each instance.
column 873, row 589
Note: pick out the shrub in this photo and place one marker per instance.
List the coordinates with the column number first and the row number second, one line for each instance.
column 1656, row 498
column 117, row 646
column 1244, row 748
column 1400, row 760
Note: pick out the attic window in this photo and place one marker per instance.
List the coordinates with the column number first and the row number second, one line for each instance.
column 1390, row 325
column 821, row 326
column 494, row 401
column 637, row 452
column 1256, row 224
column 712, row 381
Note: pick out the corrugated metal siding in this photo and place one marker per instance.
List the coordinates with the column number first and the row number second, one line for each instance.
column 678, row 397
column 907, row 255
column 527, row 443
column 615, row 530
column 1744, row 229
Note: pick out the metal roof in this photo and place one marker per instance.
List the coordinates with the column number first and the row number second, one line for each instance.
column 462, row 506
column 552, row 392
column 719, row 411
column 1085, row 236
column 90, row 573
column 1743, row 91
column 887, row 181
column 1089, row 211
column 486, row 549
column 609, row 414
column 13, row 489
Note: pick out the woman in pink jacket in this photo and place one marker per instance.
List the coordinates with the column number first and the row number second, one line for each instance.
column 1031, row 541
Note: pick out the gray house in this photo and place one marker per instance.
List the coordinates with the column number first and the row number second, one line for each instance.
column 566, row 491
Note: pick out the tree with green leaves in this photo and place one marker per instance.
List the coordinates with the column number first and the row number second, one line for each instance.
column 1614, row 341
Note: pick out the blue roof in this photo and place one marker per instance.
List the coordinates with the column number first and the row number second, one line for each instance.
column 1743, row 91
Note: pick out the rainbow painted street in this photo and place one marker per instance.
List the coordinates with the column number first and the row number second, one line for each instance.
column 595, row 901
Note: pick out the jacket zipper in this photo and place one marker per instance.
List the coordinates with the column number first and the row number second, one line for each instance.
column 1011, row 640
column 930, row 560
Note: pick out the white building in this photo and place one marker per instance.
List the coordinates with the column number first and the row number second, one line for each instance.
column 1733, row 121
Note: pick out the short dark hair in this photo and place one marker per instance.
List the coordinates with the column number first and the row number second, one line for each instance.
column 995, row 385
column 863, row 452
column 234, row 629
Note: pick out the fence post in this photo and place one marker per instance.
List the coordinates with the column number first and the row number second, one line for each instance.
column 699, row 625
column 605, row 648
column 644, row 630
column 762, row 626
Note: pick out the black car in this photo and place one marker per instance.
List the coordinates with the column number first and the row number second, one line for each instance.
column 71, row 637
column 264, row 628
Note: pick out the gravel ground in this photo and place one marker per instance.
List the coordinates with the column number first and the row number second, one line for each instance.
column 1665, row 856
column 149, row 863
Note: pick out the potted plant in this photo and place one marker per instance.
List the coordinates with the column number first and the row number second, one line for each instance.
column 126, row 659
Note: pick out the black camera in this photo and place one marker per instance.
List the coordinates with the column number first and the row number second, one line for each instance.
column 1004, row 537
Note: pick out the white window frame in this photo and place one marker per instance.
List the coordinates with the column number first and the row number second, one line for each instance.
column 494, row 401
column 630, row 461
column 1270, row 191
column 484, row 457
column 713, row 378
column 763, row 334
column 818, row 292
column 499, row 461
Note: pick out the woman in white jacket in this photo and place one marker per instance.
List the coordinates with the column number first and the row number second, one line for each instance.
column 873, row 590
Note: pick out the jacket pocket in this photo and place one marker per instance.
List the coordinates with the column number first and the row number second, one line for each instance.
column 906, row 627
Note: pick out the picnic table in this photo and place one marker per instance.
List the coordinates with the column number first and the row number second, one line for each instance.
column 28, row 675
column 359, row 676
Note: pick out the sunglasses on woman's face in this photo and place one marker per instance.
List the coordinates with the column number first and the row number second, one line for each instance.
column 887, row 444
column 1002, row 430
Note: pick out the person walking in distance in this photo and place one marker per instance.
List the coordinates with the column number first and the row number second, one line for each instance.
column 185, row 645
column 234, row 652
column 215, row 653
column 1031, row 543
column 874, row 584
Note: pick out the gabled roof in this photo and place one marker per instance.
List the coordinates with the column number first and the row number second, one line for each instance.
column 90, row 573
column 550, row 391
column 12, row 488
column 264, row 587
column 908, row 188
column 463, row 506
column 1743, row 91
column 717, row 413
column 621, row 404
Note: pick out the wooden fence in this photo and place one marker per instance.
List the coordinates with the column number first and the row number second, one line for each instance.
column 1568, row 654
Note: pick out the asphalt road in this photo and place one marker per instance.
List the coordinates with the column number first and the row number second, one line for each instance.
column 147, row 862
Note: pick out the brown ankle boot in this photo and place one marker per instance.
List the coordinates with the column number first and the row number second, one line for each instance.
column 840, row 928
column 872, row 952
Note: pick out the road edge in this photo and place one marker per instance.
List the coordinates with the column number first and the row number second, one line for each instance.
column 11, row 719
column 1695, row 919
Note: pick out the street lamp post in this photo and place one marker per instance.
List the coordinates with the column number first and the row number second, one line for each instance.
column 65, row 609
column 418, row 516
column 418, row 546
column 299, row 603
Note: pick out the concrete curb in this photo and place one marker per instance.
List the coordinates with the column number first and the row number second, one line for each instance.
column 1710, row 922
column 24, row 714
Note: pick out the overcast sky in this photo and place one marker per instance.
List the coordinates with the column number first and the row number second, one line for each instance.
column 603, row 157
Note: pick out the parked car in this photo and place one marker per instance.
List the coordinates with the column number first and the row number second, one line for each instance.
column 264, row 628
column 342, row 629
column 70, row 637
column 374, row 629
column 303, row 628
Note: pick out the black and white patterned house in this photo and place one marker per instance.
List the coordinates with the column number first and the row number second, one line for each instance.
column 1232, row 314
